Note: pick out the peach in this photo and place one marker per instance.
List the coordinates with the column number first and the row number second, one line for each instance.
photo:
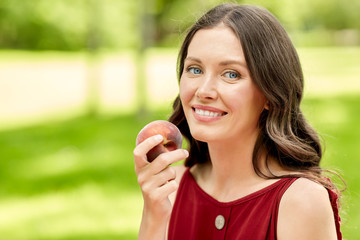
column 171, row 134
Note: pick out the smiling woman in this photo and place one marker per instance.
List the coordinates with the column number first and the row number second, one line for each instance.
column 253, row 169
column 219, row 99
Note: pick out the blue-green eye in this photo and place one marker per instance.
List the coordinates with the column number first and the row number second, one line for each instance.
column 232, row 75
column 194, row 70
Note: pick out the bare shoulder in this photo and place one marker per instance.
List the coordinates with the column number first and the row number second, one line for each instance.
column 306, row 191
column 305, row 212
column 180, row 170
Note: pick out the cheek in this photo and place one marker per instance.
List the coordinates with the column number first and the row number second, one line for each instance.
column 187, row 91
column 247, row 100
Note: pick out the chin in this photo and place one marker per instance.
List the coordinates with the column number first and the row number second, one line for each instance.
column 201, row 136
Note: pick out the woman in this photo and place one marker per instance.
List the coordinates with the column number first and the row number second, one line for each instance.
column 252, row 170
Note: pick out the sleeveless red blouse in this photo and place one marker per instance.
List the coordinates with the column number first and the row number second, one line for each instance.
column 196, row 215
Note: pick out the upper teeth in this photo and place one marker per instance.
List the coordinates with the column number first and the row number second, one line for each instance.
column 207, row 113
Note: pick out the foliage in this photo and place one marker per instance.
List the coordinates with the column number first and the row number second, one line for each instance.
column 71, row 24
column 66, row 24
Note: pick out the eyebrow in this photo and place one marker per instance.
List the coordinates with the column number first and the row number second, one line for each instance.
column 193, row 59
column 223, row 63
column 230, row 62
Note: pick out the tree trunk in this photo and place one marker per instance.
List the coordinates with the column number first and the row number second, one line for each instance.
column 146, row 39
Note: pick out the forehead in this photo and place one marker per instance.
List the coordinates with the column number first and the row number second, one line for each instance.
column 216, row 42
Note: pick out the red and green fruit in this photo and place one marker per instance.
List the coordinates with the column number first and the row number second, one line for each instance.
column 171, row 134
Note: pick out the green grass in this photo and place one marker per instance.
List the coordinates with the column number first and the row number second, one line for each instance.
column 75, row 179
column 70, row 180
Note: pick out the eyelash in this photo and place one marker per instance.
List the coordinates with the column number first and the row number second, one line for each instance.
column 232, row 72
column 190, row 70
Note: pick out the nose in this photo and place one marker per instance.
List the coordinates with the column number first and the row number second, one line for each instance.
column 207, row 88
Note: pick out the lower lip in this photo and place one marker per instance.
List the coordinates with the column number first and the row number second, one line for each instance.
column 202, row 118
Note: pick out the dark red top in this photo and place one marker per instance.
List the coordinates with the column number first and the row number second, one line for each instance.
column 196, row 215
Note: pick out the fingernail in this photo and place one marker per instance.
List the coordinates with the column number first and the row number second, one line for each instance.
column 158, row 137
column 186, row 153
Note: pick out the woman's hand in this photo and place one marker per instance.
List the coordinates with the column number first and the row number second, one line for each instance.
column 157, row 182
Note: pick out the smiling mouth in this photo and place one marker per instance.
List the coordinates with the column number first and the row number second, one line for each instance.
column 207, row 113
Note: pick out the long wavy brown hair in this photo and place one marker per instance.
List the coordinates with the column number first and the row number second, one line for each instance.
column 274, row 66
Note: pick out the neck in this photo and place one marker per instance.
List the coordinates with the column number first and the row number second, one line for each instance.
column 231, row 163
column 230, row 174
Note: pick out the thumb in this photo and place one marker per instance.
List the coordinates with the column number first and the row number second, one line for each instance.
column 143, row 148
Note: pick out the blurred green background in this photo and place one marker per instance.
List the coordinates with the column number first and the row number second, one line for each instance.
column 80, row 78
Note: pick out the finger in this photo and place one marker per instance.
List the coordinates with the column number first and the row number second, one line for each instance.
column 164, row 176
column 168, row 188
column 168, row 158
column 158, row 195
column 148, row 176
column 141, row 150
column 154, row 182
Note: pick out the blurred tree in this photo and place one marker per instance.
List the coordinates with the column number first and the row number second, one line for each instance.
column 40, row 24
column 62, row 24
column 172, row 17
column 146, row 36
column 93, row 44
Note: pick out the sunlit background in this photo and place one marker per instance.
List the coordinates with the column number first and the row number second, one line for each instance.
column 80, row 78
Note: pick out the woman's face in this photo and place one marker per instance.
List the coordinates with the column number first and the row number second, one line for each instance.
column 220, row 100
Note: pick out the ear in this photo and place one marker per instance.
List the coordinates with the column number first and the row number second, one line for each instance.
column 266, row 106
